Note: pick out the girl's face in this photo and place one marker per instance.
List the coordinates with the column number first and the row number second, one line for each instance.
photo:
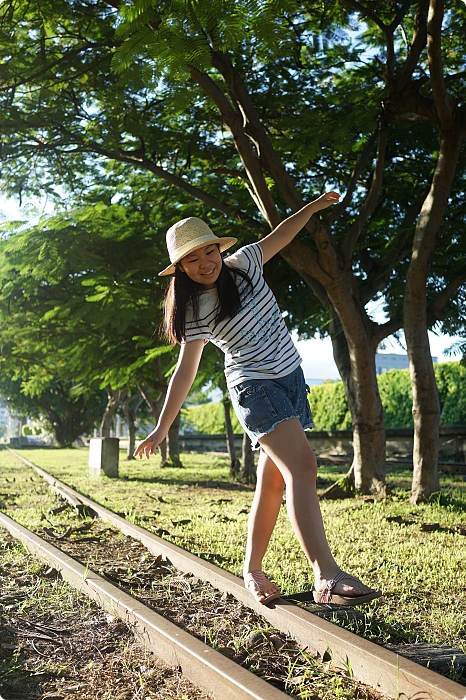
column 203, row 265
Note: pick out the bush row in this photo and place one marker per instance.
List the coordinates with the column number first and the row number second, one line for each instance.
column 330, row 407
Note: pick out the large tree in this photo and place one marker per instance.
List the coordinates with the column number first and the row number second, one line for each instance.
column 66, row 413
column 80, row 301
column 188, row 92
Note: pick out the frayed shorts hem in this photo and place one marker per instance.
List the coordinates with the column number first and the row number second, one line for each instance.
column 255, row 442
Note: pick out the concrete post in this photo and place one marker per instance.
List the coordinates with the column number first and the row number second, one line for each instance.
column 103, row 456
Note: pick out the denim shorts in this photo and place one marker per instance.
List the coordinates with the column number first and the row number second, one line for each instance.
column 261, row 404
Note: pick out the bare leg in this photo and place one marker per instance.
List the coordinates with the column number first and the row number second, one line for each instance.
column 262, row 518
column 288, row 448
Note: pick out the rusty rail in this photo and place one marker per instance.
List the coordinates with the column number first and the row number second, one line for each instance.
column 387, row 672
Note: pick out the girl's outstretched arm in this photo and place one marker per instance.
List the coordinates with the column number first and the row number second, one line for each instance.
column 180, row 384
column 288, row 229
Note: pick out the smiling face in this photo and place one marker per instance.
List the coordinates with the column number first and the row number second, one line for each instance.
column 203, row 265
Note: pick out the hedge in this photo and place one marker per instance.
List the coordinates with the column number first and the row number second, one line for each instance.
column 207, row 419
column 330, row 407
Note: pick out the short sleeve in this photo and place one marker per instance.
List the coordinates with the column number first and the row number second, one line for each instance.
column 196, row 329
column 249, row 258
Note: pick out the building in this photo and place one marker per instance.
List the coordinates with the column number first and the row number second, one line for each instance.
column 3, row 417
column 390, row 360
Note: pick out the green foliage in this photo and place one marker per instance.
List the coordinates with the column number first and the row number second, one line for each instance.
column 330, row 407
column 86, row 85
column 397, row 398
column 80, row 297
column 64, row 413
column 207, row 419
column 451, row 383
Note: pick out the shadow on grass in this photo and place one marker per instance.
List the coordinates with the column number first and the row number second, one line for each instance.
column 193, row 483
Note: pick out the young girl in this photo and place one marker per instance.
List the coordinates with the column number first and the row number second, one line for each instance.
column 228, row 302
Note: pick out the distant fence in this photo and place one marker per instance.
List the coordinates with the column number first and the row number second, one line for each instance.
column 339, row 443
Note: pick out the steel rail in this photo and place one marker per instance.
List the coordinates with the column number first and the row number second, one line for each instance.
column 384, row 670
column 205, row 667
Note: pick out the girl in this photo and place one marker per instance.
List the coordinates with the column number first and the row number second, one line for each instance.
column 229, row 303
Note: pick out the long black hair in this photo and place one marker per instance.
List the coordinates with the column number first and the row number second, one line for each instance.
column 182, row 290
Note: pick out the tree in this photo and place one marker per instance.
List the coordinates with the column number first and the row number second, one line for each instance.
column 449, row 115
column 187, row 92
column 65, row 413
column 79, row 305
column 131, row 406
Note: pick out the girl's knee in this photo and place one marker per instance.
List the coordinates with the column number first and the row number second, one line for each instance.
column 305, row 468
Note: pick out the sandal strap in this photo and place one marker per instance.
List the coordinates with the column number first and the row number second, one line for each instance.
column 326, row 593
column 258, row 577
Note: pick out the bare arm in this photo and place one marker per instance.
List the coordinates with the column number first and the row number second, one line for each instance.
column 180, row 384
column 288, row 229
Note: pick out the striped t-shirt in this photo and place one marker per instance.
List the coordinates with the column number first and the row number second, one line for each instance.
column 255, row 341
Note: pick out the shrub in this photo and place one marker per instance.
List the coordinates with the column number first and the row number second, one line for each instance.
column 451, row 382
column 207, row 419
column 330, row 409
column 329, row 406
column 397, row 398
column 331, row 412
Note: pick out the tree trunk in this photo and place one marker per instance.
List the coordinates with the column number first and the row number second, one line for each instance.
column 130, row 415
column 426, row 404
column 234, row 463
column 155, row 408
column 174, row 443
column 114, row 398
column 358, row 372
column 248, row 468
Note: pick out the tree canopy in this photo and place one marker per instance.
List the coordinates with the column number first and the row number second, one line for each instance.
column 241, row 111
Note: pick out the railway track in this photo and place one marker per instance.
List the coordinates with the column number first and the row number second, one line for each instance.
column 385, row 671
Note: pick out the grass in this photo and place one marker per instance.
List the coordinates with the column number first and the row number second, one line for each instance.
column 421, row 573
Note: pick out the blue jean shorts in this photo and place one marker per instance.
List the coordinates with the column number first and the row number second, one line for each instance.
column 261, row 404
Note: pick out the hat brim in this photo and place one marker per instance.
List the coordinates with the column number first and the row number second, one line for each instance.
column 223, row 244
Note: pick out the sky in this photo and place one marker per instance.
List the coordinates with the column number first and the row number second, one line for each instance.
column 318, row 363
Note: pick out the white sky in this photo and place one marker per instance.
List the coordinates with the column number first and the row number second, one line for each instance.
column 317, row 354
column 318, row 362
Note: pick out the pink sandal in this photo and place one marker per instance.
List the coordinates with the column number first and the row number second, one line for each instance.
column 257, row 577
column 326, row 596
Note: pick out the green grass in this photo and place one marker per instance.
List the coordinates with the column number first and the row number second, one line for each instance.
column 421, row 573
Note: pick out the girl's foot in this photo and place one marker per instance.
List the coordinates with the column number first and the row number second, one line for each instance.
column 344, row 589
column 263, row 590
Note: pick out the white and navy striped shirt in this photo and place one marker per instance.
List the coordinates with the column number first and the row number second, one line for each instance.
column 256, row 341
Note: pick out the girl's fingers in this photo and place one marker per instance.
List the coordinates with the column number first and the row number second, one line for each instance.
column 147, row 447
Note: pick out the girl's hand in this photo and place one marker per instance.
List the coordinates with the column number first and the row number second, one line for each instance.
column 149, row 445
column 326, row 200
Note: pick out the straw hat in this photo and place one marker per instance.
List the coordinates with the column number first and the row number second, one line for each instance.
column 188, row 235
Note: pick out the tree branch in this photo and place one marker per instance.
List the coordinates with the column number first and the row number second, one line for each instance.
column 377, row 276
column 368, row 205
column 304, row 260
column 70, row 54
column 367, row 13
column 436, row 310
column 417, row 45
column 383, row 330
column 340, row 208
column 400, row 14
column 443, row 101
column 254, row 128
column 234, row 121
column 135, row 158
column 410, row 117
